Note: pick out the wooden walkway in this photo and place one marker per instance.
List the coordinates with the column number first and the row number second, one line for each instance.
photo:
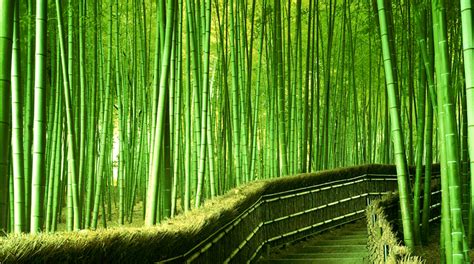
column 344, row 245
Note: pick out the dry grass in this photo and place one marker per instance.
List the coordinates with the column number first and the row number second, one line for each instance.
column 129, row 245
column 171, row 238
column 382, row 233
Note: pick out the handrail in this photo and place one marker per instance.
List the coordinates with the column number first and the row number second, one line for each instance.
column 205, row 245
column 226, row 228
column 238, row 232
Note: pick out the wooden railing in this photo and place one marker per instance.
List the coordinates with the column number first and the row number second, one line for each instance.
column 286, row 216
column 385, row 228
column 259, row 215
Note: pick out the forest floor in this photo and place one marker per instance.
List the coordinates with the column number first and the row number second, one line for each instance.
column 112, row 218
column 430, row 252
column 138, row 219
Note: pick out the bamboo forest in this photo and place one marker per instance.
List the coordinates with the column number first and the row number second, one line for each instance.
column 236, row 131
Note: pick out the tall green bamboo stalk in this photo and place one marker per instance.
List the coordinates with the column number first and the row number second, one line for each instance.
column 451, row 141
column 17, row 128
column 71, row 139
column 468, row 49
column 39, row 137
column 6, row 42
column 151, row 208
column 396, row 129
column 204, row 103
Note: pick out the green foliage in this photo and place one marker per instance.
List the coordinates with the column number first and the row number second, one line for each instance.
column 170, row 103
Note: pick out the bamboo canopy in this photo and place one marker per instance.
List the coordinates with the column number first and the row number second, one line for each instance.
column 129, row 113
